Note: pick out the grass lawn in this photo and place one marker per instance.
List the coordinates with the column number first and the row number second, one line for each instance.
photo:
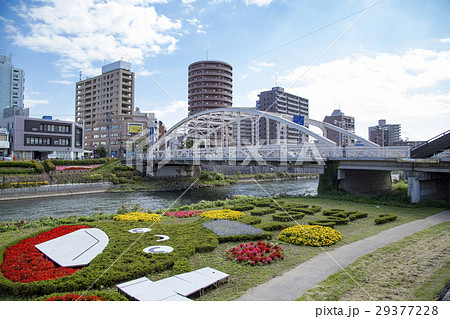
column 414, row 268
column 242, row 277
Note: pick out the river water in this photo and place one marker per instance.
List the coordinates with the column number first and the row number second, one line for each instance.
column 108, row 203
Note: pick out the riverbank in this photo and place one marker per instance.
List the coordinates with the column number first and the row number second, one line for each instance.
column 53, row 191
column 242, row 276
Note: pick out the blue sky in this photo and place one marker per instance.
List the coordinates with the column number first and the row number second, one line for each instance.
column 392, row 62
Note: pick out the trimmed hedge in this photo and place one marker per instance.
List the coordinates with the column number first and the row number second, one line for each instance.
column 287, row 217
column 262, row 212
column 273, row 225
column 262, row 203
column 186, row 239
column 250, row 220
column 315, row 208
column 385, row 218
column 60, row 162
column 306, row 211
column 262, row 236
column 357, row 215
column 17, row 164
column 38, row 166
column 322, row 223
column 243, row 207
column 49, row 166
column 332, row 211
column 122, row 168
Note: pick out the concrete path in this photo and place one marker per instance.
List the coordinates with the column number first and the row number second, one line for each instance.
column 293, row 283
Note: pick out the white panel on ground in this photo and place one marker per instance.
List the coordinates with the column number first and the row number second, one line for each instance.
column 158, row 250
column 144, row 289
column 212, row 273
column 139, row 230
column 75, row 249
column 162, row 238
column 180, row 286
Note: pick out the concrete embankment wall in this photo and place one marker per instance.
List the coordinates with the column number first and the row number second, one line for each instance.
column 53, row 190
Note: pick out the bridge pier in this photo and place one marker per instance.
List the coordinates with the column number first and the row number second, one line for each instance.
column 174, row 171
column 423, row 185
column 364, row 181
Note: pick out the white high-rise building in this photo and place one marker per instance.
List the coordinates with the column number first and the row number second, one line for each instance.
column 12, row 85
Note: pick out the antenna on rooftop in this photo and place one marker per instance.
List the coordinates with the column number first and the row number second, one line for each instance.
column 206, row 55
column 80, row 75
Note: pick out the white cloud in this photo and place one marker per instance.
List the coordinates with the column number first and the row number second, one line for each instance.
column 266, row 64
column 34, row 102
column 61, row 82
column 172, row 114
column 405, row 89
column 259, row 3
column 76, row 35
column 445, row 41
column 254, row 69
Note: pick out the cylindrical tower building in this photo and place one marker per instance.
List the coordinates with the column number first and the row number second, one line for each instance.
column 210, row 85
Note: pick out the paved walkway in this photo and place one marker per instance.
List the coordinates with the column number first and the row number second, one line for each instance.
column 293, row 283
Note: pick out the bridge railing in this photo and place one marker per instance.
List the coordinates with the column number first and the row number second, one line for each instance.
column 305, row 152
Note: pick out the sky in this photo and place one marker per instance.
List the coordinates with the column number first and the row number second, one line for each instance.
column 374, row 59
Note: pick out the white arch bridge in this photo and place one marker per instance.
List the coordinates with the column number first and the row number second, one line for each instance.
column 239, row 136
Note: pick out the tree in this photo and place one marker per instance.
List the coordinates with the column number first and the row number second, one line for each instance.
column 101, row 152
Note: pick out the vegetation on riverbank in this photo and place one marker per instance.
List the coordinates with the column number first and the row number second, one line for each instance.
column 242, row 276
column 413, row 268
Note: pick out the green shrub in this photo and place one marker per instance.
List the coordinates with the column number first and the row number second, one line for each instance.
column 332, row 211
column 357, row 215
column 250, row 220
column 322, row 223
column 273, row 225
column 211, row 176
column 247, row 237
column 243, row 207
column 288, row 216
column 262, row 203
column 17, row 164
column 121, row 168
column 38, row 166
column 315, row 208
column 60, row 162
column 49, row 166
column 262, row 212
column 306, row 211
column 385, row 218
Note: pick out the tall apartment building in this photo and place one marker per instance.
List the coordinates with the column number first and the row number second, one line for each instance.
column 12, row 85
column 210, row 85
column 385, row 134
column 105, row 105
column 339, row 119
column 280, row 102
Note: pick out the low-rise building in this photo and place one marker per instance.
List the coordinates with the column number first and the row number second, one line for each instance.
column 35, row 138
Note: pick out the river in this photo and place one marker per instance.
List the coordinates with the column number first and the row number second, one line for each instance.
column 109, row 202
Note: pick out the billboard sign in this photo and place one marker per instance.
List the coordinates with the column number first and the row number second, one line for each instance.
column 135, row 128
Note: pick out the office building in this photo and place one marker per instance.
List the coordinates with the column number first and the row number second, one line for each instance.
column 210, row 85
column 385, row 134
column 105, row 106
column 339, row 119
column 12, row 85
column 35, row 138
column 293, row 107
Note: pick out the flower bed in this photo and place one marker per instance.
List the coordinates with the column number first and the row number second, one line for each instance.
column 23, row 262
column 256, row 253
column 183, row 214
column 222, row 214
column 74, row 297
column 139, row 217
column 72, row 167
column 311, row 235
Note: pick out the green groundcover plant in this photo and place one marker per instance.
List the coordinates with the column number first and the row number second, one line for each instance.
column 186, row 240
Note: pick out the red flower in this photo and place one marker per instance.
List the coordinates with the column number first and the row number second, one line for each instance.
column 73, row 297
column 255, row 253
column 25, row 263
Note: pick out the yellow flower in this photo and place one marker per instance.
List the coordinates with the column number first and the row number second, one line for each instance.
column 222, row 214
column 139, row 217
column 311, row 235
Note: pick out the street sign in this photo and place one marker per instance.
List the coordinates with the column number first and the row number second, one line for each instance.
column 299, row 119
